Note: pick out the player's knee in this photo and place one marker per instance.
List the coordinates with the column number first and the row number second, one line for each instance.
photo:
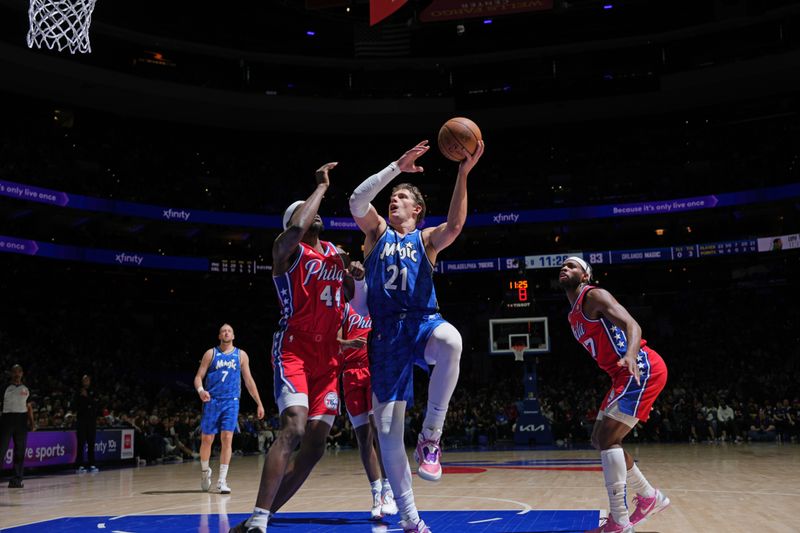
column 605, row 441
column 383, row 429
column 451, row 342
column 293, row 432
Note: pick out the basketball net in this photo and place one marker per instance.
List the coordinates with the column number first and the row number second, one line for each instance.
column 60, row 24
column 519, row 352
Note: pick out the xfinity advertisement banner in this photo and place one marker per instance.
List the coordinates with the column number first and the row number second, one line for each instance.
column 32, row 193
column 98, row 255
column 59, row 448
column 113, row 445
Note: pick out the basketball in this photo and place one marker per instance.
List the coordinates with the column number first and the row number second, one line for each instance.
column 458, row 133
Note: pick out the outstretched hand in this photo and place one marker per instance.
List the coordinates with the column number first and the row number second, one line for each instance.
column 358, row 342
column 322, row 173
column 407, row 161
column 357, row 270
column 470, row 160
column 632, row 364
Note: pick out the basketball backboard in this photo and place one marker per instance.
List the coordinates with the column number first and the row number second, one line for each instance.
column 507, row 332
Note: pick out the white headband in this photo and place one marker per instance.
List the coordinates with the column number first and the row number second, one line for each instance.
column 584, row 265
column 287, row 215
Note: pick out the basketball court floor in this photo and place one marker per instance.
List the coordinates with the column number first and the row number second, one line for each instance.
column 713, row 488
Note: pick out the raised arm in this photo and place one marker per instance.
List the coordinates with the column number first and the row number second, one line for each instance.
column 601, row 302
column 250, row 383
column 358, row 300
column 285, row 246
column 438, row 238
column 205, row 362
column 364, row 213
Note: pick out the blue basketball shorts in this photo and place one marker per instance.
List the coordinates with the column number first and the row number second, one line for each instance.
column 396, row 344
column 219, row 415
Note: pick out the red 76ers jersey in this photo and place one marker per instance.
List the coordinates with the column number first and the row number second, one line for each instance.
column 353, row 327
column 603, row 340
column 310, row 292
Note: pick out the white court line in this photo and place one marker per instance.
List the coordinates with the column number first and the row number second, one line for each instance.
column 525, row 507
column 483, row 521
column 153, row 511
column 35, row 522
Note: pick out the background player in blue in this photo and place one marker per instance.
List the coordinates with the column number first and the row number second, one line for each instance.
column 222, row 367
column 407, row 327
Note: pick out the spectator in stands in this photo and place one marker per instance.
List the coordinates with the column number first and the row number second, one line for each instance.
column 761, row 429
column 335, row 436
column 726, row 421
column 701, row 430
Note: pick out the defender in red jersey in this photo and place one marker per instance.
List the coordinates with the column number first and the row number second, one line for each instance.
column 308, row 277
column 638, row 374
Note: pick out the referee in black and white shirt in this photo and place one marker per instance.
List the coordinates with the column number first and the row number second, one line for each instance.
column 16, row 420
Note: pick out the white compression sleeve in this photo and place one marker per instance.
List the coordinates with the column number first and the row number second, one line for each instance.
column 359, row 301
column 369, row 189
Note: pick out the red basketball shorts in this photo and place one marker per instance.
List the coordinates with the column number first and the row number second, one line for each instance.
column 637, row 400
column 306, row 364
column 357, row 391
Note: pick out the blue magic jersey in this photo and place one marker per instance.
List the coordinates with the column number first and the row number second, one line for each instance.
column 224, row 373
column 399, row 276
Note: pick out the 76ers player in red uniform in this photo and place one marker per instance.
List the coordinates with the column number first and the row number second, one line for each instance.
column 308, row 277
column 638, row 374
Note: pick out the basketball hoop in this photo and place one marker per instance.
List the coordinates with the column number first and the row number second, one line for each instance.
column 60, row 24
column 519, row 352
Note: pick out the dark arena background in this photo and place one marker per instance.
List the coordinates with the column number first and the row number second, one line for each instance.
column 142, row 186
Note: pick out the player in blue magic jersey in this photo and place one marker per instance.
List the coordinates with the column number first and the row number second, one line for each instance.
column 222, row 367
column 407, row 328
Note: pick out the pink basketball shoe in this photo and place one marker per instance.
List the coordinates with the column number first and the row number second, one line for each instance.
column 647, row 507
column 428, row 456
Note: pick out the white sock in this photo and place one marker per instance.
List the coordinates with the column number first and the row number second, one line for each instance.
column 203, row 465
column 614, row 473
column 387, row 487
column 376, row 486
column 430, row 433
column 223, row 472
column 638, row 483
column 407, row 506
column 259, row 518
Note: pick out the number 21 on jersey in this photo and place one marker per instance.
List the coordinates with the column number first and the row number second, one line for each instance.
column 394, row 273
